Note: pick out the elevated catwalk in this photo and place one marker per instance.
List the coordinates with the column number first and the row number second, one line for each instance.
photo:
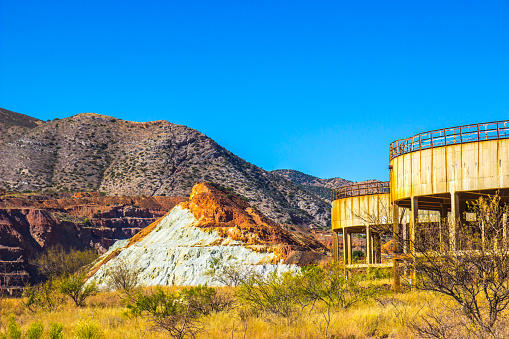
column 442, row 170
column 433, row 173
column 360, row 208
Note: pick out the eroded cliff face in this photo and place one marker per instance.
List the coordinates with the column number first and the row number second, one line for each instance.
column 29, row 224
column 213, row 226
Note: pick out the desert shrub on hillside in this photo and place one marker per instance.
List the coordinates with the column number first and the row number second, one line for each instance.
column 229, row 273
column 123, row 276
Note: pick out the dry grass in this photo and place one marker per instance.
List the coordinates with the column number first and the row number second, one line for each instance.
column 386, row 317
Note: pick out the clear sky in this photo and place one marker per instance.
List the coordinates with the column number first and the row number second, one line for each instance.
column 318, row 86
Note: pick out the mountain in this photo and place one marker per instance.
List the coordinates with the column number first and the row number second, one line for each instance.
column 318, row 186
column 9, row 119
column 212, row 228
column 309, row 180
column 92, row 152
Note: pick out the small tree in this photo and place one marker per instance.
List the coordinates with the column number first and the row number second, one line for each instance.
column 177, row 313
column 43, row 297
column 75, row 286
column 276, row 294
column 474, row 279
column 57, row 262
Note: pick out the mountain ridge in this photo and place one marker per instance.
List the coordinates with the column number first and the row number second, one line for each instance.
column 93, row 152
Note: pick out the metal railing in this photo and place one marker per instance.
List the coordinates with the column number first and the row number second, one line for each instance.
column 360, row 189
column 450, row 136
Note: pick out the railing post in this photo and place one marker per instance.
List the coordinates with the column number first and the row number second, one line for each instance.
column 403, row 146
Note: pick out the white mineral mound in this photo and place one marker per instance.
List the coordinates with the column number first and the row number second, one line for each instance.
column 177, row 252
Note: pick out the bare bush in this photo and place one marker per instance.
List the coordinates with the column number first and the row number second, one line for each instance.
column 276, row 294
column 123, row 276
column 317, row 289
column 474, row 278
column 228, row 273
column 57, row 262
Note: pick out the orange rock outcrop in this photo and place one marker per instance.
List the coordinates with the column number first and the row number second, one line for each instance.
column 233, row 217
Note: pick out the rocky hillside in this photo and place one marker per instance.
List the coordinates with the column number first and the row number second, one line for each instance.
column 309, row 180
column 213, row 227
column 318, row 186
column 10, row 119
column 92, row 152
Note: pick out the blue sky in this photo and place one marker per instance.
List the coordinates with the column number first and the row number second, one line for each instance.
column 318, row 86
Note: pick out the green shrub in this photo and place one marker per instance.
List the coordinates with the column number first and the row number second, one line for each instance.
column 13, row 329
column 55, row 331
column 373, row 273
column 320, row 290
column 276, row 294
column 75, row 287
column 88, row 330
column 177, row 313
column 35, row 330
column 57, row 262
column 45, row 297
column 357, row 255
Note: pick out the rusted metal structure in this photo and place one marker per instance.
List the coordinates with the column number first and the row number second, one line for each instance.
column 442, row 170
column 439, row 171
column 360, row 208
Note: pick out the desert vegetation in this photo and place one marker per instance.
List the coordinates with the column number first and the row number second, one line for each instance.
column 461, row 294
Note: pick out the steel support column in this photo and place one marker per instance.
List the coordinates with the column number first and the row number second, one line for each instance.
column 335, row 246
column 396, row 246
column 369, row 246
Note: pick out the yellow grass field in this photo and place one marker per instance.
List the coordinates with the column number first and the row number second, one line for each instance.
column 384, row 317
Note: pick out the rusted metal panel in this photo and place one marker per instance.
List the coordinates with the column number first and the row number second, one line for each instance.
column 459, row 167
column 359, row 211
